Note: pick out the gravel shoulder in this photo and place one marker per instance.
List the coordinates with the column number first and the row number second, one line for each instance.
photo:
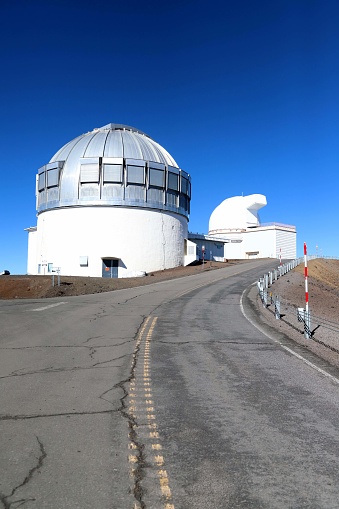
column 323, row 285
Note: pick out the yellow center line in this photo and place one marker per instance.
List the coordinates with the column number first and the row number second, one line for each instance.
column 142, row 379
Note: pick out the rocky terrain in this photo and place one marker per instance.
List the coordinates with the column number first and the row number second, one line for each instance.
column 323, row 287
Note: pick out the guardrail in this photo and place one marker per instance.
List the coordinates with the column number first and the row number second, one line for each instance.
column 293, row 316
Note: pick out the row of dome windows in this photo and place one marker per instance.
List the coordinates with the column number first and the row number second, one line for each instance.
column 123, row 171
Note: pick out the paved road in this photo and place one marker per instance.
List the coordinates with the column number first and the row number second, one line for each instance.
column 161, row 397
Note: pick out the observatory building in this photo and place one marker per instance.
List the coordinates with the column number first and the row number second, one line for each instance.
column 236, row 221
column 236, row 233
column 111, row 203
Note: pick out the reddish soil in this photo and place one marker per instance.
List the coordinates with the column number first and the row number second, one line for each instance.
column 323, row 287
column 39, row 287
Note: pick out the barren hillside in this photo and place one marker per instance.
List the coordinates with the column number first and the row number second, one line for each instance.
column 323, row 287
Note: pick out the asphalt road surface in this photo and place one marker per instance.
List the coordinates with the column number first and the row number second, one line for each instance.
column 161, row 397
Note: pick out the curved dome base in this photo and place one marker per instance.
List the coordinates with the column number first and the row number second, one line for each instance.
column 104, row 241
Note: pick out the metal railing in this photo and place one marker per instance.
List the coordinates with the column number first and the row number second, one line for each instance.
column 296, row 317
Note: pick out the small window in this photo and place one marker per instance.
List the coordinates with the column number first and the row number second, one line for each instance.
column 173, row 182
column 172, row 198
column 50, row 267
column 135, row 174
column 184, row 185
column 183, row 201
column 53, row 177
column 41, row 181
column 83, row 261
column 112, row 173
column 89, row 173
column 156, row 177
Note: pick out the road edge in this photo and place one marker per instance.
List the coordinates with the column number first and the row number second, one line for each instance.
column 254, row 314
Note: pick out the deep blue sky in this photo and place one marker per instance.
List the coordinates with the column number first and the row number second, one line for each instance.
column 244, row 95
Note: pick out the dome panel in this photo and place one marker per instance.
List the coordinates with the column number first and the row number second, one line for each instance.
column 63, row 153
column 114, row 146
column 96, row 145
column 131, row 146
column 164, row 156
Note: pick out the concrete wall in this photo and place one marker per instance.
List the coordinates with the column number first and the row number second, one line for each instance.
column 214, row 250
column 234, row 250
column 32, row 256
column 142, row 240
column 268, row 242
column 261, row 241
column 287, row 241
column 191, row 254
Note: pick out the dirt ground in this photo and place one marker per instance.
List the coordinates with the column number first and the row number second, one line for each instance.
column 40, row 287
column 323, row 287
column 323, row 282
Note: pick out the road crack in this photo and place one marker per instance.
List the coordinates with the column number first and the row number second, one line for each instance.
column 110, row 360
column 61, row 414
column 5, row 498
column 138, row 447
column 38, row 347
column 60, row 370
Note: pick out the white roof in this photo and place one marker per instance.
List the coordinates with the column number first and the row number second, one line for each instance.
column 237, row 213
column 114, row 140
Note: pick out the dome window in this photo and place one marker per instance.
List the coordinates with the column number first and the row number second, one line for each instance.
column 112, row 173
column 184, row 185
column 53, row 177
column 156, row 178
column 135, row 172
column 173, row 182
column 42, row 179
column 89, row 170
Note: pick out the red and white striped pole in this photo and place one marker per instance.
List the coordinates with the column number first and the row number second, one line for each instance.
column 306, row 277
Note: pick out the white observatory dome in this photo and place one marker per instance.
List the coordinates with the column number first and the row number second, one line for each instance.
column 237, row 213
column 114, row 165
column 111, row 203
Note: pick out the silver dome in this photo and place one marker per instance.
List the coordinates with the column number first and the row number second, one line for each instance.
column 114, row 165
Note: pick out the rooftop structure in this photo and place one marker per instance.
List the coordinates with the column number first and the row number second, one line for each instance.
column 114, row 165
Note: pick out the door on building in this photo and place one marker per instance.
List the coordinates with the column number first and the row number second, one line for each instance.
column 110, row 267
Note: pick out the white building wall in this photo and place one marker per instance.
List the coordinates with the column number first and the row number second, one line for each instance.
column 260, row 241
column 32, row 256
column 142, row 240
column 234, row 250
column 287, row 241
column 191, row 254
